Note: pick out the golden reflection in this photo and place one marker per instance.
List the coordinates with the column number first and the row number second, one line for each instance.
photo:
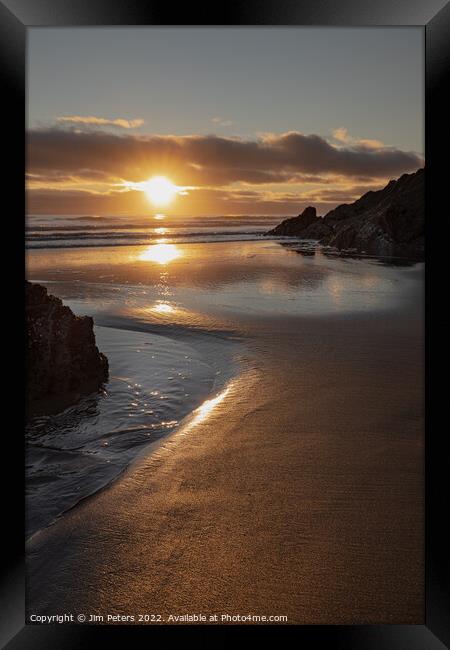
column 335, row 288
column 160, row 231
column 273, row 286
column 160, row 253
column 369, row 281
column 163, row 308
column 159, row 217
column 202, row 412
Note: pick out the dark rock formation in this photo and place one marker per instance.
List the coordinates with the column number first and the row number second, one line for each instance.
column 62, row 360
column 317, row 230
column 389, row 222
column 295, row 225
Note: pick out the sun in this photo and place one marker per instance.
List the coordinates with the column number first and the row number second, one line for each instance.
column 160, row 190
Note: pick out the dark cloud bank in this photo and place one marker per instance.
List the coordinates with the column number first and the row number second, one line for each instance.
column 209, row 159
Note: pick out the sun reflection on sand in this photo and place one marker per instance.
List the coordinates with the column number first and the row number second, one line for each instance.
column 202, row 412
column 160, row 253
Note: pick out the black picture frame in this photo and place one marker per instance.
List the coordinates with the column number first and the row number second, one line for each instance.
column 16, row 16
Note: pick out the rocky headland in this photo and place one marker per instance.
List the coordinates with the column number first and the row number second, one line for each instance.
column 295, row 225
column 388, row 222
column 62, row 360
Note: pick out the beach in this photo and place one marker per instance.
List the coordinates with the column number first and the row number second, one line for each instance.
column 290, row 482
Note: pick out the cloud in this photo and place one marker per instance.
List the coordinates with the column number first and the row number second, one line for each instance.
column 221, row 122
column 199, row 201
column 209, row 159
column 74, row 171
column 342, row 135
column 101, row 121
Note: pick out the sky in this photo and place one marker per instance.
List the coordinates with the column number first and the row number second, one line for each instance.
column 239, row 120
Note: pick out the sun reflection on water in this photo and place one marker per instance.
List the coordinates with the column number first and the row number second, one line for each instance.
column 160, row 253
column 163, row 308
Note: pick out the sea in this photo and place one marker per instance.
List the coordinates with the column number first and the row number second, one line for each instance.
column 47, row 231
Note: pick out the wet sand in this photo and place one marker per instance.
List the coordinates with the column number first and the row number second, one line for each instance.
column 299, row 492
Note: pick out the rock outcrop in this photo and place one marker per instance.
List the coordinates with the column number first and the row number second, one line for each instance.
column 62, row 360
column 294, row 226
column 318, row 230
column 388, row 222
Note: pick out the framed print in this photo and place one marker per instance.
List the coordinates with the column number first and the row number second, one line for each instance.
column 228, row 250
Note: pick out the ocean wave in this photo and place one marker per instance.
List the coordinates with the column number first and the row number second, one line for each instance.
column 86, row 240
